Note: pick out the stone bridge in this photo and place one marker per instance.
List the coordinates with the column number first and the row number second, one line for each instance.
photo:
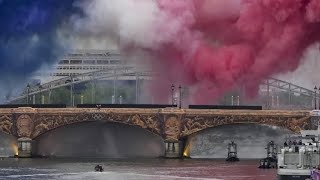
column 171, row 124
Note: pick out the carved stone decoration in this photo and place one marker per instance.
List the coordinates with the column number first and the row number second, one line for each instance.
column 193, row 124
column 171, row 124
column 153, row 124
column 40, row 129
column 24, row 126
column 136, row 120
column 149, row 122
column 296, row 125
column 44, row 122
column 172, row 128
column 6, row 124
column 315, row 122
column 98, row 116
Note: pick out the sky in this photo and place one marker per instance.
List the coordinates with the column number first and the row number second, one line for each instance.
column 211, row 46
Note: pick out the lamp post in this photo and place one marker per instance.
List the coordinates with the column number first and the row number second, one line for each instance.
column 40, row 88
column 49, row 94
column 71, row 92
column 28, row 93
column 319, row 99
column 81, row 99
column 115, row 82
column 180, row 99
column 315, row 97
column 232, row 101
column 113, row 100
column 172, row 91
column 137, row 88
column 120, row 99
column 238, row 100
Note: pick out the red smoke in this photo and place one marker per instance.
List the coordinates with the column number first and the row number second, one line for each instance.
column 225, row 44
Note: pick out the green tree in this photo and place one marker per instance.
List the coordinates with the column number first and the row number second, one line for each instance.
column 60, row 96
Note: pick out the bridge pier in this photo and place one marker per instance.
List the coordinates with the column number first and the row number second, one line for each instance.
column 24, row 148
column 174, row 149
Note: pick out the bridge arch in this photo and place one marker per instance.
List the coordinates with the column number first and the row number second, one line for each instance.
column 191, row 126
column 98, row 139
column 46, row 123
column 8, row 144
column 197, row 131
column 251, row 138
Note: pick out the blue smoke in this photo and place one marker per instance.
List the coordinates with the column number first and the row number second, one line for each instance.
column 28, row 35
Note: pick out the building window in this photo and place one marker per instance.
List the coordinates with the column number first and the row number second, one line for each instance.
column 115, row 62
column 75, row 61
column 64, row 62
column 102, row 62
column 89, row 62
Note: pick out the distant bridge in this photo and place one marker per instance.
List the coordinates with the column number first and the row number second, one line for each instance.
column 118, row 73
column 132, row 73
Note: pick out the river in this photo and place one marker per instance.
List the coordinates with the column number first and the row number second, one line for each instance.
column 142, row 169
column 98, row 141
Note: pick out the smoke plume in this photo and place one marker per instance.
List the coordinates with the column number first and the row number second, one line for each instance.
column 306, row 75
column 212, row 46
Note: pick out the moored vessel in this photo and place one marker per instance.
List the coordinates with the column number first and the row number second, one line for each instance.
column 271, row 160
column 300, row 156
column 232, row 152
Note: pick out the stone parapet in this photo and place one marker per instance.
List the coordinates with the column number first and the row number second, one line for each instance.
column 169, row 123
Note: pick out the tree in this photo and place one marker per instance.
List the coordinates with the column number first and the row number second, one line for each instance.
column 60, row 96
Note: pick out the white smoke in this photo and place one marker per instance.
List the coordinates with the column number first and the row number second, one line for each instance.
column 307, row 74
column 137, row 23
column 141, row 23
column 78, row 41
column 129, row 20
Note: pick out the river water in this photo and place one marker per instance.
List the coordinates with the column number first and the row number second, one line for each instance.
column 142, row 169
column 98, row 141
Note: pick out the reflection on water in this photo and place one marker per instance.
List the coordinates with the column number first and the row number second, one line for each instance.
column 115, row 140
column 147, row 169
column 100, row 139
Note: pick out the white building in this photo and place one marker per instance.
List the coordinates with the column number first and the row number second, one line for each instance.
column 79, row 62
column 82, row 61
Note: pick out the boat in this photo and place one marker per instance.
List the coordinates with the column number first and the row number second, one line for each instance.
column 98, row 168
column 297, row 161
column 232, row 152
column 271, row 160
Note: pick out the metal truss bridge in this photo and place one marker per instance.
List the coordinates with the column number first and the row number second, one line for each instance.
column 132, row 73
